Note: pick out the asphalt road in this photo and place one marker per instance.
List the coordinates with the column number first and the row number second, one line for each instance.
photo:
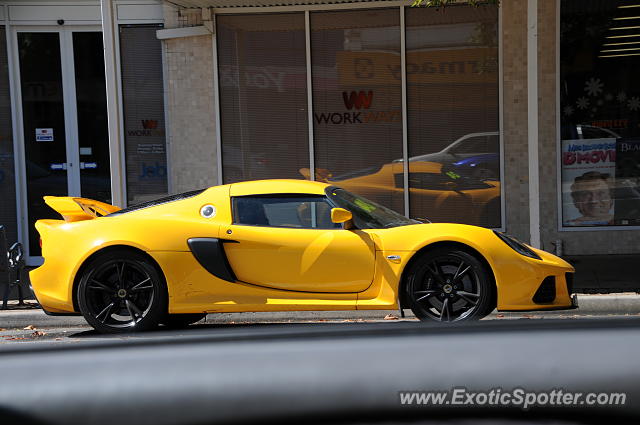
column 33, row 327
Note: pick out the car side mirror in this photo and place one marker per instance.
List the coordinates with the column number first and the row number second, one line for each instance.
column 340, row 215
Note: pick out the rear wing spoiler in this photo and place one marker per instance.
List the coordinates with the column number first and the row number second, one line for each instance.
column 79, row 209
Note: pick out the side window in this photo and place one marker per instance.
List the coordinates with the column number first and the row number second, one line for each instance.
column 304, row 212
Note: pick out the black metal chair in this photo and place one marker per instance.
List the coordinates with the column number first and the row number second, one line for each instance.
column 11, row 263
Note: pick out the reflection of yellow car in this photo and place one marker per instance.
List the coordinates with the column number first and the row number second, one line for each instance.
column 436, row 195
column 279, row 245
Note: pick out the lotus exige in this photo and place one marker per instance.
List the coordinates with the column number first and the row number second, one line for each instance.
column 279, row 245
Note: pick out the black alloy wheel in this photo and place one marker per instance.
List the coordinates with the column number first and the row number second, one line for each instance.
column 449, row 285
column 122, row 291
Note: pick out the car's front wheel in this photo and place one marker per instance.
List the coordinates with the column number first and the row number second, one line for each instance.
column 447, row 285
column 122, row 291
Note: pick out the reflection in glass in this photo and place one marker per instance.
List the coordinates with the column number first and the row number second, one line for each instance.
column 357, row 99
column 43, row 120
column 143, row 103
column 453, row 121
column 263, row 96
column 600, row 108
column 91, row 102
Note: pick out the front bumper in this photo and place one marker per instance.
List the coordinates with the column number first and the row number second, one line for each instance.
column 553, row 291
column 527, row 284
column 574, row 305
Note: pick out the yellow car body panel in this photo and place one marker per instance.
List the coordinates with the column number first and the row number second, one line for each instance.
column 302, row 259
column 277, row 269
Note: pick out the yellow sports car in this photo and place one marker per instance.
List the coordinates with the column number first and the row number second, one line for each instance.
column 279, row 245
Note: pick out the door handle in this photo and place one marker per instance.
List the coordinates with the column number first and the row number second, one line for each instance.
column 60, row 166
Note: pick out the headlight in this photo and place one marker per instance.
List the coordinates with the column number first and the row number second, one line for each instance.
column 517, row 246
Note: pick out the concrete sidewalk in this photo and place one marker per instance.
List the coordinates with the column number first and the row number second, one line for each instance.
column 619, row 304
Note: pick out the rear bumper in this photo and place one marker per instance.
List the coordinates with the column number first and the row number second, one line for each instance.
column 53, row 294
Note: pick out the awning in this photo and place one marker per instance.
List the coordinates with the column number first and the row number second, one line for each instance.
column 219, row 4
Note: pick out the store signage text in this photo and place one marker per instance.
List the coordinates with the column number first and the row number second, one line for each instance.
column 470, row 65
column 622, row 123
column 428, row 67
column 155, row 171
column 628, row 147
column 259, row 77
column 604, row 152
column 149, row 129
column 357, row 100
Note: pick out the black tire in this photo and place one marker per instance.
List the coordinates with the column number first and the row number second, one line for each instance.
column 122, row 291
column 449, row 285
column 179, row 321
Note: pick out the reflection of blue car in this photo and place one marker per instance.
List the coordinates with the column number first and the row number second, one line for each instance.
column 484, row 166
column 474, row 155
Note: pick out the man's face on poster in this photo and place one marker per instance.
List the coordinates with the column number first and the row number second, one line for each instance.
column 593, row 198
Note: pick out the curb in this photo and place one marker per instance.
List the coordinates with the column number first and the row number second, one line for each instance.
column 619, row 304
column 625, row 303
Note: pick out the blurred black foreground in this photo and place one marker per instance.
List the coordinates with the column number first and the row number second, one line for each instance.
column 352, row 373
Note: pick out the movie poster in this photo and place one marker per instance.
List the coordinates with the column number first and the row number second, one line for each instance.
column 627, row 189
column 588, row 179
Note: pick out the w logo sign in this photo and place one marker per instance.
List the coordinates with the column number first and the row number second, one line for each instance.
column 359, row 100
column 149, row 124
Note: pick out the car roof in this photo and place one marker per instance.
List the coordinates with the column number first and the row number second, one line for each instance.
column 266, row 187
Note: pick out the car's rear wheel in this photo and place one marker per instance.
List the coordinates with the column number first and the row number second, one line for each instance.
column 178, row 321
column 449, row 285
column 122, row 291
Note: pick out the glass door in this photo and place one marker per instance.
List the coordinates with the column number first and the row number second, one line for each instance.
column 91, row 106
column 64, row 121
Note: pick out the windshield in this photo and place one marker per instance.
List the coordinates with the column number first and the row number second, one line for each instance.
column 367, row 214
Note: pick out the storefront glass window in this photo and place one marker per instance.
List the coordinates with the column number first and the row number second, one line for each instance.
column 452, row 76
column 7, row 177
column 453, row 114
column 599, row 109
column 357, row 98
column 263, row 96
column 142, row 89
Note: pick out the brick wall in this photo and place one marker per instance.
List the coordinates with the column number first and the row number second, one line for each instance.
column 514, row 96
column 191, row 129
column 547, row 137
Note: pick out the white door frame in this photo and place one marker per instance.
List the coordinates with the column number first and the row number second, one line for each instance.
column 70, row 119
